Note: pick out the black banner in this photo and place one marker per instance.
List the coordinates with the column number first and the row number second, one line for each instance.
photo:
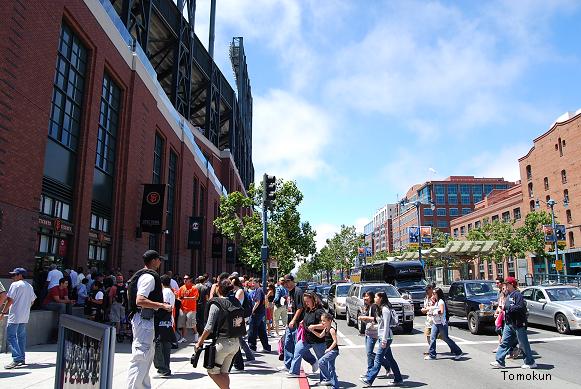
column 152, row 209
column 217, row 241
column 195, row 232
column 230, row 252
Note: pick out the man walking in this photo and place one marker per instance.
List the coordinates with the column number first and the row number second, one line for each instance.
column 280, row 314
column 165, row 335
column 188, row 295
column 20, row 298
column 145, row 297
column 257, row 323
column 515, row 329
column 295, row 316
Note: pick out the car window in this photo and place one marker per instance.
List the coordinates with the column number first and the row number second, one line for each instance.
column 528, row 294
column 452, row 291
column 564, row 294
column 342, row 290
column 332, row 290
column 480, row 289
column 389, row 290
column 460, row 291
column 538, row 295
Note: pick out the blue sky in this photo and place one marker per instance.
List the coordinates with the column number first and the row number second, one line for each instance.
column 358, row 100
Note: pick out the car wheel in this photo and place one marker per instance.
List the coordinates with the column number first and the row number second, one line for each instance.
column 474, row 323
column 562, row 324
column 361, row 325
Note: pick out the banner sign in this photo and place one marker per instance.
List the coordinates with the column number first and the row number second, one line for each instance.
column 426, row 235
column 560, row 233
column 414, row 234
column 195, row 232
column 152, row 210
column 548, row 232
column 230, row 252
column 217, row 241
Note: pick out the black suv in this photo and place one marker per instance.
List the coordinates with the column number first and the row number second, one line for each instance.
column 474, row 300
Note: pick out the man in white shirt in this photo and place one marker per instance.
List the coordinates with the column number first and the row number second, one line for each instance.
column 148, row 298
column 165, row 332
column 74, row 278
column 19, row 300
column 172, row 283
column 54, row 275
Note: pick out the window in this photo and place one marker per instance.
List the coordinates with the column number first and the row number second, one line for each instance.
column 531, row 193
column 469, row 227
column 442, row 224
column 108, row 125
column 477, row 193
column 528, row 294
column 97, row 253
column 487, row 189
column 99, row 223
column 157, row 159
column 441, row 211
column 453, row 194
column 490, row 274
column 48, row 244
column 529, row 172
column 453, row 211
column 494, row 218
column 546, row 182
column 69, row 84
column 500, row 269
column 428, row 212
column 477, row 224
column 455, row 232
column 532, row 205
column 506, row 216
column 560, row 147
column 563, row 176
column 547, row 198
column 569, row 216
column 465, row 193
column 566, row 196
column 55, row 208
column 440, row 194
column 462, row 230
column 171, row 195
column 466, row 211
column 481, row 270
column 571, row 239
column 516, row 214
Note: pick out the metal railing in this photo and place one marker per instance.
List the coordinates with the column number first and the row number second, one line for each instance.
column 553, row 279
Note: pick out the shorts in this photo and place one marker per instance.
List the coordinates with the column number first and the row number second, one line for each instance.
column 117, row 313
column 428, row 331
column 226, row 349
column 187, row 319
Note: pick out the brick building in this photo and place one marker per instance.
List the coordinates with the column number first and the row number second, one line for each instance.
column 382, row 229
column 90, row 110
column 441, row 202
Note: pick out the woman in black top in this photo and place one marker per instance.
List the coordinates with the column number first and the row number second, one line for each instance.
column 311, row 321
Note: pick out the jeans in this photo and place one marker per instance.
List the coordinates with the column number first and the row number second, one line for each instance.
column 161, row 357
column 443, row 331
column 369, row 347
column 327, row 366
column 384, row 353
column 16, row 336
column 302, row 351
column 257, row 328
column 511, row 336
column 59, row 307
column 290, row 338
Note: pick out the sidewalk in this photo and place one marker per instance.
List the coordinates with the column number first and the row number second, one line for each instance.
column 40, row 371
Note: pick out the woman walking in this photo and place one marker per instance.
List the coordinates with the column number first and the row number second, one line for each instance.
column 311, row 321
column 270, row 292
column 440, row 326
column 238, row 362
column 370, row 317
column 385, row 337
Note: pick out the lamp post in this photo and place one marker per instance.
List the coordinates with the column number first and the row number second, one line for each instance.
column 551, row 203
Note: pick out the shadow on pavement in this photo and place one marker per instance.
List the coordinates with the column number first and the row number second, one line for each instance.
column 7, row 374
column 35, row 366
column 186, row 376
column 544, row 366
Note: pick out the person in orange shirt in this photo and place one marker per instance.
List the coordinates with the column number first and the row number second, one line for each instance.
column 188, row 295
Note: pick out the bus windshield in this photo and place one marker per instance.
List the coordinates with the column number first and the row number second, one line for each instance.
column 411, row 283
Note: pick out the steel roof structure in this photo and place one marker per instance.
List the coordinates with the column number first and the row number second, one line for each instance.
column 454, row 249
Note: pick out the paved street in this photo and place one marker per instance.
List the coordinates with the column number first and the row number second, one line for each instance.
column 557, row 355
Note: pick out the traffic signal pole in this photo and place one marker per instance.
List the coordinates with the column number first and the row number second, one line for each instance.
column 269, row 187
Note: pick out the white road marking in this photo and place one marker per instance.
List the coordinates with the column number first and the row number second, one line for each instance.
column 350, row 344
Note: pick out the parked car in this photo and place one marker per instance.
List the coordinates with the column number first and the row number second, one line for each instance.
column 474, row 300
column 337, row 296
column 354, row 302
column 323, row 292
column 555, row 306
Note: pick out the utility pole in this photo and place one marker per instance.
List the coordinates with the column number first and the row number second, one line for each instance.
column 268, row 196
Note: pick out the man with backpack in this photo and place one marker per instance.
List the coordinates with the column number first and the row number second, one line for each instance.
column 257, row 323
column 225, row 325
column 117, row 303
column 145, row 296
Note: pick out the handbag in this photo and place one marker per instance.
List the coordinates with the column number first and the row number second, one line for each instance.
column 301, row 332
column 281, row 349
column 196, row 357
column 210, row 356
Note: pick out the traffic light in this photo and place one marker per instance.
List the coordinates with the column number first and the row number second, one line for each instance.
column 268, row 190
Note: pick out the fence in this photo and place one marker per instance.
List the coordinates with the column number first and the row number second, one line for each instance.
column 552, row 279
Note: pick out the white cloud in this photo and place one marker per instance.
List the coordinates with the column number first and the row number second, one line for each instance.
column 289, row 136
column 326, row 230
column 503, row 163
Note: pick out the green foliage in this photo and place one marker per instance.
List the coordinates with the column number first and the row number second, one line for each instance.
column 289, row 239
column 532, row 232
column 339, row 252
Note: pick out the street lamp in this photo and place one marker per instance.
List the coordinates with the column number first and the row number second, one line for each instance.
column 551, row 203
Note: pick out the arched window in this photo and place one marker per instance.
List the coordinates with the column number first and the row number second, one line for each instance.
column 564, row 176
column 546, row 181
column 560, row 147
column 566, row 196
column 529, row 172
column 569, row 216
column 532, row 205
column 531, row 194
column 571, row 239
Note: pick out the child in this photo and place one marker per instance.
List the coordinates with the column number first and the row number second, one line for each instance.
column 327, row 361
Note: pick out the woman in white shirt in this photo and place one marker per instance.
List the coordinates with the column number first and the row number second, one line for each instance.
column 385, row 338
column 440, row 326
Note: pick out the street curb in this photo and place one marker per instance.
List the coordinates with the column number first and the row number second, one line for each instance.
column 303, row 380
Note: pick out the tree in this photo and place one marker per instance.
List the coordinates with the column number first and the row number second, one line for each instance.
column 340, row 251
column 289, row 239
column 532, row 232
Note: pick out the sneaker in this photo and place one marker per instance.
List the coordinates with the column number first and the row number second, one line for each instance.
column 292, row 375
column 429, row 358
column 182, row 340
column 393, row 383
column 315, row 366
column 426, row 353
column 497, row 365
column 162, row 375
column 459, row 356
column 12, row 365
column 366, row 384
column 525, row 366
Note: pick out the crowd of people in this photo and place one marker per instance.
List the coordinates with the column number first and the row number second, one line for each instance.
column 234, row 312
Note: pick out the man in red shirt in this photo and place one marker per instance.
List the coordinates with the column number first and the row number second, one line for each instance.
column 188, row 295
column 57, row 298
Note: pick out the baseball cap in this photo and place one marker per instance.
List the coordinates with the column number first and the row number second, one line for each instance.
column 511, row 280
column 235, row 274
column 18, row 271
column 150, row 255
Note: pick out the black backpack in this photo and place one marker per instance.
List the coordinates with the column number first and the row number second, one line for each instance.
column 132, row 289
column 121, row 295
column 247, row 305
column 231, row 322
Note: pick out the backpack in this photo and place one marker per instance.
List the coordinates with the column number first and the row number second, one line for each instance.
column 394, row 319
column 247, row 305
column 231, row 323
column 132, row 289
column 121, row 295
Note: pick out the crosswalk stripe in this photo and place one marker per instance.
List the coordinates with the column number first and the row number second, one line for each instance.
column 347, row 340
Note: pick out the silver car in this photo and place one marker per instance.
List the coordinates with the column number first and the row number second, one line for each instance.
column 337, row 296
column 556, row 306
